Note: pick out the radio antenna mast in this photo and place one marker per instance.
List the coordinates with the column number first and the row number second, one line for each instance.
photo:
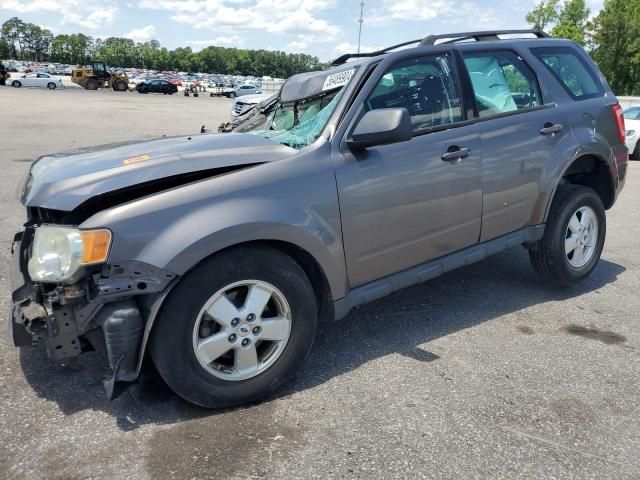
column 360, row 21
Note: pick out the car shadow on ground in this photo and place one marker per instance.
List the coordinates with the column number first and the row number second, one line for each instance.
column 399, row 324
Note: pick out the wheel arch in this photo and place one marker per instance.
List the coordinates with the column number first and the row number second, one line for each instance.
column 309, row 264
column 314, row 256
column 588, row 169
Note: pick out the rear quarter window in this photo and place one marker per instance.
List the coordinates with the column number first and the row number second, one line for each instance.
column 571, row 70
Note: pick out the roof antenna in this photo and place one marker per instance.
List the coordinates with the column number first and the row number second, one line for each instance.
column 360, row 21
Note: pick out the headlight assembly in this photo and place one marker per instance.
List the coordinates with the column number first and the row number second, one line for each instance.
column 59, row 252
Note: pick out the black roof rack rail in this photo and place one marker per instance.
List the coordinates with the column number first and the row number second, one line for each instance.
column 478, row 36
column 449, row 37
column 343, row 58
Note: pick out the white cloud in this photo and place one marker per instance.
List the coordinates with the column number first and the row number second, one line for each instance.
column 468, row 15
column 87, row 14
column 91, row 21
column 142, row 34
column 347, row 47
column 31, row 6
column 222, row 41
column 272, row 16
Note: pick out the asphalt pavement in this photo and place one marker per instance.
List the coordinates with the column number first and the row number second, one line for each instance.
column 483, row 373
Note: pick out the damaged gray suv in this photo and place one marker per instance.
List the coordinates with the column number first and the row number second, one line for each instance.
column 218, row 254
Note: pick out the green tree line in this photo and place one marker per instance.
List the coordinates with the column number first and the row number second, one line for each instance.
column 26, row 41
column 612, row 37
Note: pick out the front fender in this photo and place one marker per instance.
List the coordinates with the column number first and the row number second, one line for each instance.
column 289, row 201
column 219, row 226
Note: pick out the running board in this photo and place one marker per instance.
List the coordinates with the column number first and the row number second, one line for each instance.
column 433, row 268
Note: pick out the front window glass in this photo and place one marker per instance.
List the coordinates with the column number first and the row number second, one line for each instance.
column 425, row 86
column 502, row 83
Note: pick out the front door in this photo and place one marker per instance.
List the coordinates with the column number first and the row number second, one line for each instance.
column 406, row 203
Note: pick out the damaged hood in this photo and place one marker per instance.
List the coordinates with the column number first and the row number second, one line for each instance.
column 66, row 180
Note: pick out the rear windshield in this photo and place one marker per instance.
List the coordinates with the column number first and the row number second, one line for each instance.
column 571, row 70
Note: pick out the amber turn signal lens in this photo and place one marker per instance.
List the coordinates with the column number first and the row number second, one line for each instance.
column 95, row 245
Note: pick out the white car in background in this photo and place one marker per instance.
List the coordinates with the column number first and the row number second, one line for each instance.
column 37, row 80
column 241, row 91
column 245, row 103
column 632, row 127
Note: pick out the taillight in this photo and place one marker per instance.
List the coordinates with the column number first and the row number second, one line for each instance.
column 619, row 119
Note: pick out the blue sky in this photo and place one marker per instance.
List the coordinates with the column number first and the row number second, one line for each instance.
column 325, row 28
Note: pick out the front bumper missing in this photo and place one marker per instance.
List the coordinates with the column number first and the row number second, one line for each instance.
column 104, row 311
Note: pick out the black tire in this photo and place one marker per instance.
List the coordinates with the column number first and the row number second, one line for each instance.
column 635, row 155
column 91, row 85
column 51, row 86
column 16, row 84
column 232, row 95
column 548, row 255
column 120, row 86
column 171, row 343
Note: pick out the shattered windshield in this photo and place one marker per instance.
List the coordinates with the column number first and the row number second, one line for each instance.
column 299, row 122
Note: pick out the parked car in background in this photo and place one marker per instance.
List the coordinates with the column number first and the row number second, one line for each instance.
column 157, row 86
column 244, row 104
column 43, row 80
column 242, row 91
column 632, row 125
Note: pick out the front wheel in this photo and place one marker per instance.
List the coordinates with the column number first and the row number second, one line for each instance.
column 574, row 236
column 16, row 84
column 236, row 328
column 51, row 86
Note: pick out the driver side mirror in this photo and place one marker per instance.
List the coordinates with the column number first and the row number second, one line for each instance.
column 381, row 127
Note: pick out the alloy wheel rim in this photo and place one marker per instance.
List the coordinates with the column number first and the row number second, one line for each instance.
column 581, row 237
column 242, row 330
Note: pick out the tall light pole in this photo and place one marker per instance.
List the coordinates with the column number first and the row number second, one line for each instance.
column 360, row 21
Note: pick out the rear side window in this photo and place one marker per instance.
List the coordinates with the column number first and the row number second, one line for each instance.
column 501, row 82
column 572, row 71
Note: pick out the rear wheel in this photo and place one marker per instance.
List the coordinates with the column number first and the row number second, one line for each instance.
column 236, row 328
column 16, row 84
column 573, row 238
column 91, row 84
column 51, row 86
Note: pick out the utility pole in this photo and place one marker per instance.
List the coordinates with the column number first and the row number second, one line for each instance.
column 360, row 21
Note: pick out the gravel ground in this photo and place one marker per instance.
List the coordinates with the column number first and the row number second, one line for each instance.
column 482, row 373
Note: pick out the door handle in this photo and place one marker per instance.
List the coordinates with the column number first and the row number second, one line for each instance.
column 551, row 129
column 454, row 153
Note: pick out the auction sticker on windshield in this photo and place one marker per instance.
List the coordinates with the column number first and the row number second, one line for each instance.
column 338, row 79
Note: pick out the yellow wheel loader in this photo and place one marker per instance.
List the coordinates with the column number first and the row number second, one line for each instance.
column 97, row 76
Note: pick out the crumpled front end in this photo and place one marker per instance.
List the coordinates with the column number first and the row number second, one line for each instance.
column 105, row 308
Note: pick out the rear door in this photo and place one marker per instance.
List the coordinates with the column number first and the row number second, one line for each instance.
column 406, row 203
column 520, row 132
